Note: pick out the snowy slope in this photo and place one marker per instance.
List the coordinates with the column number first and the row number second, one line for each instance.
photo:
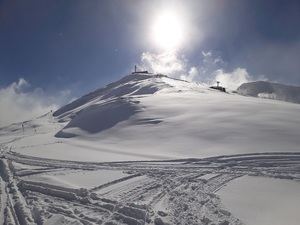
column 149, row 150
column 133, row 84
column 146, row 116
column 263, row 203
column 264, row 89
column 104, row 108
column 180, row 115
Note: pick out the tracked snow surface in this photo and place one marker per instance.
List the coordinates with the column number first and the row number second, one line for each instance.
column 147, row 149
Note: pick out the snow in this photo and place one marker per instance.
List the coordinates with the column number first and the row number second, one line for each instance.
column 263, row 201
column 149, row 149
column 119, row 185
column 78, row 179
column 173, row 119
column 208, row 176
column 60, row 219
column 151, row 191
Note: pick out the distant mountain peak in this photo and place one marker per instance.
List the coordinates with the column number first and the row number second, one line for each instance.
column 132, row 84
column 270, row 90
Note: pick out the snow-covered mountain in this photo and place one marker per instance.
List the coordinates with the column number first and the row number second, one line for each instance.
column 264, row 89
column 127, row 117
column 133, row 84
column 117, row 102
column 149, row 149
column 152, row 116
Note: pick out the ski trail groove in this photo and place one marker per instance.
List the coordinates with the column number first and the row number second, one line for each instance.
column 151, row 192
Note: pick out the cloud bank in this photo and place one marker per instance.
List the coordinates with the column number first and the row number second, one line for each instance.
column 209, row 70
column 232, row 80
column 166, row 63
column 19, row 102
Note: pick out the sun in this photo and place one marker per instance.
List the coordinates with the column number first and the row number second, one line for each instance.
column 168, row 30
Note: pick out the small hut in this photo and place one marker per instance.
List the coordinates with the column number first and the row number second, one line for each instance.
column 218, row 87
column 137, row 71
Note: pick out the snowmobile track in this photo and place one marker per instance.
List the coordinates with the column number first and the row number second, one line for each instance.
column 152, row 192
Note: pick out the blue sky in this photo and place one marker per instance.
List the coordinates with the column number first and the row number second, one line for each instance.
column 77, row 46
column 83, row 44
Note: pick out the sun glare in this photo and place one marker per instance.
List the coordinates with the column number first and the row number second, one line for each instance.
column 167, row 31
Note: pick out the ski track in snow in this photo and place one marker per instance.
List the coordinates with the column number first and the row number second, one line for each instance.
column 150, row 192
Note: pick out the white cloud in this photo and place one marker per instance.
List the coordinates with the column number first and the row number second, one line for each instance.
column 209, row 70
column 233, row 79
column 19, row 102
column 168, row 63
column 192, row 74
column 20, row 86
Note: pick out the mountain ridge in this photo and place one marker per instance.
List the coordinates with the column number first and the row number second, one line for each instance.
column 105, row 107
column 270, row 90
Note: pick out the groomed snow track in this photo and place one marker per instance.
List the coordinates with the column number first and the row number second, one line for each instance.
column 152, row 192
